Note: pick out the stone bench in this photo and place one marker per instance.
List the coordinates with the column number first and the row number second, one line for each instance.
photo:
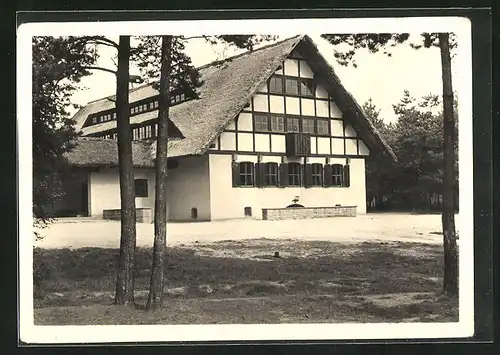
column 142, row 215
column 274, row 214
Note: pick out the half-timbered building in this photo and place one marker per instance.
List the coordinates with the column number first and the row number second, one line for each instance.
column 269, row 125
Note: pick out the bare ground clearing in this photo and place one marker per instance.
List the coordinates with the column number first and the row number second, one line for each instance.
column 239, row 281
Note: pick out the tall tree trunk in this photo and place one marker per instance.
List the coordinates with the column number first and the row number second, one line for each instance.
column 125, row 274
column 450, row 282
column 155, row 298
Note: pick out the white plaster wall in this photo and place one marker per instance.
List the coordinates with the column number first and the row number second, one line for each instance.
column 292, row 105
column 351, row 147
column 276, row 104
column 245, row 142
column 227, row 202
column 228, row 141
column 262, row 142
column 105, row 190
column 244, row 121
column 188, row 186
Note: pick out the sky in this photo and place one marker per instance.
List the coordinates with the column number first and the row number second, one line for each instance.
column 377, row 76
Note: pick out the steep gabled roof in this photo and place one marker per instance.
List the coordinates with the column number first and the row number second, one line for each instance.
column 227, row 87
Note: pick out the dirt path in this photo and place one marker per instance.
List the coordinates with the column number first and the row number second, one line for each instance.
column 370, row 227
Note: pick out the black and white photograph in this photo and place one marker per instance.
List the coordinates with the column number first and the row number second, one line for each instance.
column 294, row 179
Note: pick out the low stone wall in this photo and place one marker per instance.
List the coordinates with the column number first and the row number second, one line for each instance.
column 274, row 214
column 142, row 215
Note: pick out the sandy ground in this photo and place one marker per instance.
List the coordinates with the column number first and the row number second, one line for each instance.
column 72, row 233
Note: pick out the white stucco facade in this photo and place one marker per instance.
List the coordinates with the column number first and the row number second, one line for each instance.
column 104, row 190
column 228, row 202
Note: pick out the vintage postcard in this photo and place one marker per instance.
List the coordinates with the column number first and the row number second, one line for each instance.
column 303, row 179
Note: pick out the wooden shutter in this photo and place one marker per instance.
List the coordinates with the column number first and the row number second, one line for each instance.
column 236, row 174
column 347, row 176
column 283, row 175
column 261, row 174
column 308, row 175
column 290, row 144
column 327, row 175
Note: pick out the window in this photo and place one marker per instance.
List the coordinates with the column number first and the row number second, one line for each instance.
column 114, row 115
column 260, row 122
column 141, row 187
column 291, row 86
column 135, row 134
column 145, row 107
column 194, row 213
column 292, row 124
column 308, row 125
column 183, row 97
column 246, row 174
column 276, row 85
column 323, row 127
column 247, row 211
column 317, row 174
column 277, row 124
column 293, row 174
column 94, row 119
column 148, row 131
column 337, row 175
column 115, row 135
column 156, row 104
column 151, row 105
column 306, row 87
column 271, row 173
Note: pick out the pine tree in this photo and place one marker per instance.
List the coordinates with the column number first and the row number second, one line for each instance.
column 176, row 71
column 379, row 42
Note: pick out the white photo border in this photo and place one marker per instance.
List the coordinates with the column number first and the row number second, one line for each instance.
column 34, row 334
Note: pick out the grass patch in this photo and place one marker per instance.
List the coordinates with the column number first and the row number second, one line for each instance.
column 217, row 275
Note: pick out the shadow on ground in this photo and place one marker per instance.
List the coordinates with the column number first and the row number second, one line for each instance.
column 227, row 282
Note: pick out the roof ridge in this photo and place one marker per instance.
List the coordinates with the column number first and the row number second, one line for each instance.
column 215, row 62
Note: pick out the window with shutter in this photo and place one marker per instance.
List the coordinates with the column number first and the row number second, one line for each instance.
column 316, row 174
column 246, row 174
column 271, row 174
column 337, row 175
column 294, row 174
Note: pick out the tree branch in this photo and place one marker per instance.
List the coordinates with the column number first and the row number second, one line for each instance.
column 101, row 39
column 99, row 68
column 193, row 37
column 101, row 43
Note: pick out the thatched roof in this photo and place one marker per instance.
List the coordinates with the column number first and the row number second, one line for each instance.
column 227, row 87
column 98, row 152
